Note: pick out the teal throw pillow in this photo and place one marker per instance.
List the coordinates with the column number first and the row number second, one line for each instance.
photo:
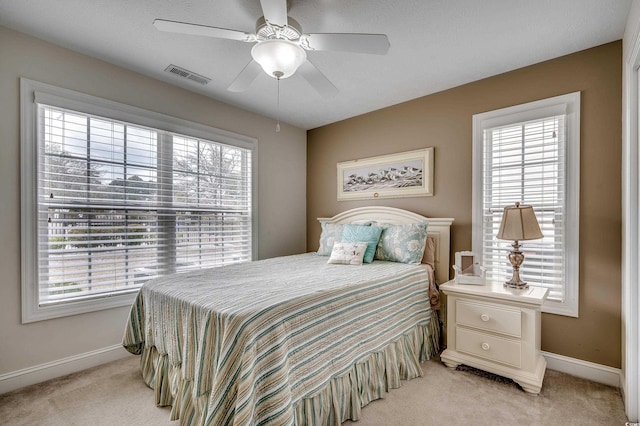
column 363, row 234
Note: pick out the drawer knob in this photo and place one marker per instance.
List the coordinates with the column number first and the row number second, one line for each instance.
column 485, row 346
column 484, row 317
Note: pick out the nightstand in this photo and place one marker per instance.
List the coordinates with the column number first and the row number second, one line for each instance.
column 496, row 329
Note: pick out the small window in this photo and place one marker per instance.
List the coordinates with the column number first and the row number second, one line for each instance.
column 112, row 199
column 530, row 154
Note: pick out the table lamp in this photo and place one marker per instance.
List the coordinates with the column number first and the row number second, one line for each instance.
column 519, row 223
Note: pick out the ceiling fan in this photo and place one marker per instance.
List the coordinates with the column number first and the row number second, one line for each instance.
column 280, row 46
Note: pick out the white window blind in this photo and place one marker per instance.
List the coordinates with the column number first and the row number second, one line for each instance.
column 525, row 162
column 530, row 154
column 119, row 204
column 113, row 195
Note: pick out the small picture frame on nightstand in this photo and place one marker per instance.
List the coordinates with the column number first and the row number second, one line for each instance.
column 468, row 270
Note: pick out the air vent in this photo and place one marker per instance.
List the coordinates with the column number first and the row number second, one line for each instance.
column 174, row 69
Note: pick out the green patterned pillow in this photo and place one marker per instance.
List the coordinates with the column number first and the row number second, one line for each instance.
column 402, row 243
column 363, row 233
column 331, row 233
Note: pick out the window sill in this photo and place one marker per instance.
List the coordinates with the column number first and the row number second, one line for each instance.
column 32, row 312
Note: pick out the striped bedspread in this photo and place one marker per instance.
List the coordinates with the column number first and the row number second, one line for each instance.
column 282, row 341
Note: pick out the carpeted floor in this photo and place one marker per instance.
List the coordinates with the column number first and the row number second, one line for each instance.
column 114, row 394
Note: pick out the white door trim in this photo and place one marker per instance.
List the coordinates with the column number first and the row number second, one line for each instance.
column 630, row 218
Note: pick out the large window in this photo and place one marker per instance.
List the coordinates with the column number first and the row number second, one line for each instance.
column 115, row 196
column 530, row 154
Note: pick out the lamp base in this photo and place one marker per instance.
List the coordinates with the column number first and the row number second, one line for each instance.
column 515, row 258
column 520, row 286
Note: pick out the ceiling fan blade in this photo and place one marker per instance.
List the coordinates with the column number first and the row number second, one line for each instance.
column 202, row 30
column 246, row 77
column 377, row 44
column 317, row 80
column 275, row 12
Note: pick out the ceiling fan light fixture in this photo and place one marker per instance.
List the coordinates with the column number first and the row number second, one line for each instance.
column 279, row 58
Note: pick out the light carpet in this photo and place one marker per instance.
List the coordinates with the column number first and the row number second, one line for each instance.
column 114, row 394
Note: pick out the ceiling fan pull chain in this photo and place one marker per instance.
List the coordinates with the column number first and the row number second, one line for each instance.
column 278, row 107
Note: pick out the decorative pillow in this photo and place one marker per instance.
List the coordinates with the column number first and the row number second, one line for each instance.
column 402, row 243
column 331, row 233
column 357, row 233
column 348, row 253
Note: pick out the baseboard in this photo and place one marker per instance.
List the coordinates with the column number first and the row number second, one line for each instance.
column 587, row 370
column 50, row 370
column 28, row 376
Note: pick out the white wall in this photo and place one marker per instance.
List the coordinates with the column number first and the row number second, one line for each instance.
column 281, row 194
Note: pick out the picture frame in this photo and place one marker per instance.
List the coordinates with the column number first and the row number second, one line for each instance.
column 406, row 174
column 467, row 269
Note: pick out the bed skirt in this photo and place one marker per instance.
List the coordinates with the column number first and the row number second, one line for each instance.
column 341, row 399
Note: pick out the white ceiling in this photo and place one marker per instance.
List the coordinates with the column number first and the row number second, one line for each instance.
column 435, row 44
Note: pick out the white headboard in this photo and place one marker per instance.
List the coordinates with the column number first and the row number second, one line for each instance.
column 439, row 229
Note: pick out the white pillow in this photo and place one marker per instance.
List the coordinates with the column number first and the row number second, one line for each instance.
column 348, row 253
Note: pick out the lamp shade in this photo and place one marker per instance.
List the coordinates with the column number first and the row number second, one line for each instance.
column 519, row 223
column 279, row 58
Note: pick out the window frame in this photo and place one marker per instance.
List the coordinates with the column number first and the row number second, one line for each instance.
column 32, row 93
column 569, row 105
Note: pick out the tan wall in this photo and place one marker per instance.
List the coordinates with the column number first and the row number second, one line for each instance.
column 281, row 183
column 443, row 120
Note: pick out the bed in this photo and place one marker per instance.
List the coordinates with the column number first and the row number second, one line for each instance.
column 291, row 340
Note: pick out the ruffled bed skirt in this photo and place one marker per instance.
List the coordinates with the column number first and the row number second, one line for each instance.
column 341, row 399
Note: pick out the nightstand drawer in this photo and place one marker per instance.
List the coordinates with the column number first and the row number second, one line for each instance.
column 484, row 345
column 499, row 319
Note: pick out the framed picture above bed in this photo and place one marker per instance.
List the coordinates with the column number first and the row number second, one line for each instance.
column 406, row 174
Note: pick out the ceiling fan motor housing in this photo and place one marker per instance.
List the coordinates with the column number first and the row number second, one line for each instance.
column 292, row 31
